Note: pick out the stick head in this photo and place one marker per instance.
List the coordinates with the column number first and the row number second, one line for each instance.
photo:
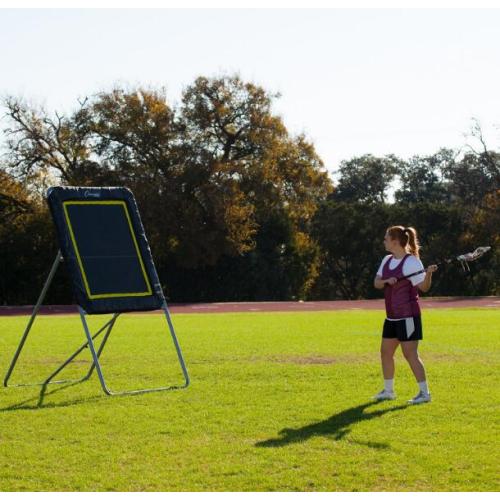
column 476, row 254
column 469, row 257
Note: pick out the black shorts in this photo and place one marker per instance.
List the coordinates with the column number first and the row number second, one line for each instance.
column 400, row 329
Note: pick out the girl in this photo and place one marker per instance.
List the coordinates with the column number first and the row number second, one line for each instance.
column 403, row 324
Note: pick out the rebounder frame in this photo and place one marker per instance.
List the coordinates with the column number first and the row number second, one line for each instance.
column 96, row 353
column 153, row 300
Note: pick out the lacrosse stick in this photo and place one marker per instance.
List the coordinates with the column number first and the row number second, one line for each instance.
column 463, row 259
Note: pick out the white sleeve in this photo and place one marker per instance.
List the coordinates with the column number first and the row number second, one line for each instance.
column 380, row 269
column 412, row 265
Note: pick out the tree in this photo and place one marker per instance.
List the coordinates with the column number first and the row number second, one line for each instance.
column 43, row 148
column 484, row 230
column 27, row 243
column 350, row 235
column 14, row 198
column 233, row 137
column 209, row 176
column 422, row 178
column 472, row 177
column 366, row 179
column 232, row 133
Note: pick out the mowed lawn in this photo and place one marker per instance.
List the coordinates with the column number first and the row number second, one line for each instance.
column 278, row 401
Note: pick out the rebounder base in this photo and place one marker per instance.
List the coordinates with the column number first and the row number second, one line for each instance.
column 96, row 353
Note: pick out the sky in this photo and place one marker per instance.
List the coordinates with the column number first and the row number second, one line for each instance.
column 381, row 81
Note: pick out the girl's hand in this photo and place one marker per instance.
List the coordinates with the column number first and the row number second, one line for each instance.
column 391, row 281
column 431, row 269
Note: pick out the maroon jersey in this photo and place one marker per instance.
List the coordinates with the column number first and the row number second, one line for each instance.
column 401, row 299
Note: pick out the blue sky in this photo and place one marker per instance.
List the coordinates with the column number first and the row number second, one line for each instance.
column 354, row 81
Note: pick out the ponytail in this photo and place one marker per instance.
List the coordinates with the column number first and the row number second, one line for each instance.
column 413, row 241
column 407, row 237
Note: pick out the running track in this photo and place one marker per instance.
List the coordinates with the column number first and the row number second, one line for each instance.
column 225, row 307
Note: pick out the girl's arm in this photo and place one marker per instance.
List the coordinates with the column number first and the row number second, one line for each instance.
column 425, row 286
column 379, row 283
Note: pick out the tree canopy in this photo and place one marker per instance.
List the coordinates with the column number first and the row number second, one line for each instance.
column 234, row 205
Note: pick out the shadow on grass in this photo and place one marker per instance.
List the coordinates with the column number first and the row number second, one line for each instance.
column 40, row 404
column 337, row 426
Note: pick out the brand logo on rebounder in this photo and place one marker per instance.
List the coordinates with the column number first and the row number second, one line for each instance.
column 90, row 194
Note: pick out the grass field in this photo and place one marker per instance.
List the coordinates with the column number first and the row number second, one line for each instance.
column 278, row 401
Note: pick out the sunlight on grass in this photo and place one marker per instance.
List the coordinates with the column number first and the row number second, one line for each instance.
column 278, row 401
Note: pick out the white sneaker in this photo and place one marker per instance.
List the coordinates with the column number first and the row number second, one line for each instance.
column 421, row 397
column 383, row 395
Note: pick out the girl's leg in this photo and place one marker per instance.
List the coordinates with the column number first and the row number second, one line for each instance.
column 387, row 350
column 410, row 351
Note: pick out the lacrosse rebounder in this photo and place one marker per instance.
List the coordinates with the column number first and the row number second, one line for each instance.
column 103, row 243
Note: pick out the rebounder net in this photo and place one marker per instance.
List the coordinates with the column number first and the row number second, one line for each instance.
column 105, row 248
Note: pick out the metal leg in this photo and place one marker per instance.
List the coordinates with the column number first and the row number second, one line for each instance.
column 103, row 343
column 109, row 324
column 176, row 343
column 95, row 357
column 39, row 302
column 97, row 365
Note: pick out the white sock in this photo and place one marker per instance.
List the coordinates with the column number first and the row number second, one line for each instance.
column 389, row 385
column 423, row 387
